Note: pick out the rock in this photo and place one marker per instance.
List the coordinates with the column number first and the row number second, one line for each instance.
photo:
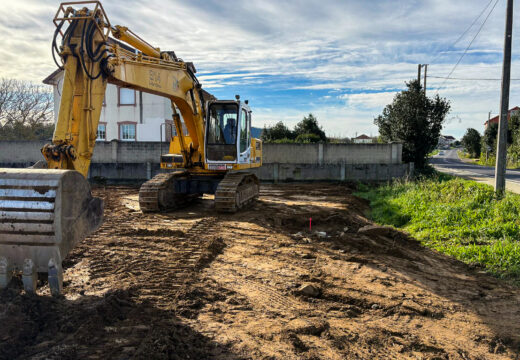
column 309, row 290
column 345, row 229
column 321, row 234
column 305, row 326
column 376, row 230
column 375, row 306
column 297, row 236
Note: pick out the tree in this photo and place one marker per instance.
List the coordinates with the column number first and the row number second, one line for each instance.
column 415, row 120
column 514, row 139
column 490, row 137
column 472, row 142
column 26, row 111
column 309, row 125
column 308, row 138
column 306, row 131
column 277, row 132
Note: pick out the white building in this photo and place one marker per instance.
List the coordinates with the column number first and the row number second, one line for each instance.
column 445, row 141
column 362, row 139
column 127, row 115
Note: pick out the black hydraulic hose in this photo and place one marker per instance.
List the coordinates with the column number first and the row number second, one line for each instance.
column 54, row 47
column 82, row 57
column 72, row 27
column 203, row 103
column 96, row 55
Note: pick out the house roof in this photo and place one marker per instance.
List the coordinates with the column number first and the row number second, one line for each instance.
column 448, row 137
column 52, row 78
column 495, row 119
column 363, row 137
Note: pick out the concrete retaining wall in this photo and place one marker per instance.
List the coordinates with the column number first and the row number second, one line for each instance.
column 333, row 153
column 333, row 172
column 138, row 161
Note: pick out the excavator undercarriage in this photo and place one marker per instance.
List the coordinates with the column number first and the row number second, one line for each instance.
column 170, row 191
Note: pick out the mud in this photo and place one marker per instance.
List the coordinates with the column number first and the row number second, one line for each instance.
column 193, row 284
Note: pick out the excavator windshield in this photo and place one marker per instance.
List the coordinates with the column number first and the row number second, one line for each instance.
column 222, row 124
column 221, row 136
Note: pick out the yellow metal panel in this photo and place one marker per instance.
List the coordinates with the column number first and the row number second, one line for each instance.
column 175, row 145
column 173, row 83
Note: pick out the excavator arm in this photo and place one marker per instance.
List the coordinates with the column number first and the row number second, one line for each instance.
column 90, row 61
column 45, row 212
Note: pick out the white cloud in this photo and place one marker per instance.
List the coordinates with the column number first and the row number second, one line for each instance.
column 369, row 101
column 360, row 50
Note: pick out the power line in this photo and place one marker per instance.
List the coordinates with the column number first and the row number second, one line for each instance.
column 467, row 48
column 473, row 23
column 469, row 79
column 465, row 31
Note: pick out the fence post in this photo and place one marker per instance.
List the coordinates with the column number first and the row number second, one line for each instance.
column 320, row 154
column 114, row 150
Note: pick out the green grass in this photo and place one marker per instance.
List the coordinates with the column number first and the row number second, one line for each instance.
column 433, row 153
column 458, row 217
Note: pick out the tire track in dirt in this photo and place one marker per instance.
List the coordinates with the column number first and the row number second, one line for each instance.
column 164, row 261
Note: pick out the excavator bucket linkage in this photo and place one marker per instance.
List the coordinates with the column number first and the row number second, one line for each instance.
column 43, row 215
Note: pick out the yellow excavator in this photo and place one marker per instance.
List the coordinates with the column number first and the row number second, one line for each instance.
column 45, row 211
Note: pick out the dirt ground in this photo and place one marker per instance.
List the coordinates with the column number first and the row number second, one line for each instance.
column 193, row 284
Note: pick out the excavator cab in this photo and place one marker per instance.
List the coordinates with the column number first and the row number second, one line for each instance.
column 228, row 134
column 222, row 131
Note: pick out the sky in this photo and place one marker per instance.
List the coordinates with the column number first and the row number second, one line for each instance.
column 343, row 61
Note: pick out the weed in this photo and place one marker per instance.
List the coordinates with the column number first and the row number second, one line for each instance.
column 458, row 217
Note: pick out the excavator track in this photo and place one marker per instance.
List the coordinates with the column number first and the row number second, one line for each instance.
column 158, row 194
column 235, row 191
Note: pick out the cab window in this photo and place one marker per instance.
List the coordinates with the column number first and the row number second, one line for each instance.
column 222, row 125
column 243, row 131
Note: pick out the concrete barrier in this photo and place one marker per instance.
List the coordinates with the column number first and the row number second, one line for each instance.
column 119, row 161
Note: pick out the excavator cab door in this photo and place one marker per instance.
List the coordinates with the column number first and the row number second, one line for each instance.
column 244, row 144
column 222, row 132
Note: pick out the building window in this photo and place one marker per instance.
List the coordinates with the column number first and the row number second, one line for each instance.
column 126, row 96
column 102, row 132
column 127, row 131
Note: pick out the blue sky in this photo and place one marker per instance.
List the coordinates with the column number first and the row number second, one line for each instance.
column 341, row 60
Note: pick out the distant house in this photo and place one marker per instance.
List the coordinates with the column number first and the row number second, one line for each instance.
column 127, row 114
column 494, row 120
column 446, row 141
column 362, row 139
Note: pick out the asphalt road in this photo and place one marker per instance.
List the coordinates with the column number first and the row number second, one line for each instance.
column 449, row 162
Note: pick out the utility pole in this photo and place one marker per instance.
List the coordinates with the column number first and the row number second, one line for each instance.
column 500, row 169
column 419, row 73
column 425, row 71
